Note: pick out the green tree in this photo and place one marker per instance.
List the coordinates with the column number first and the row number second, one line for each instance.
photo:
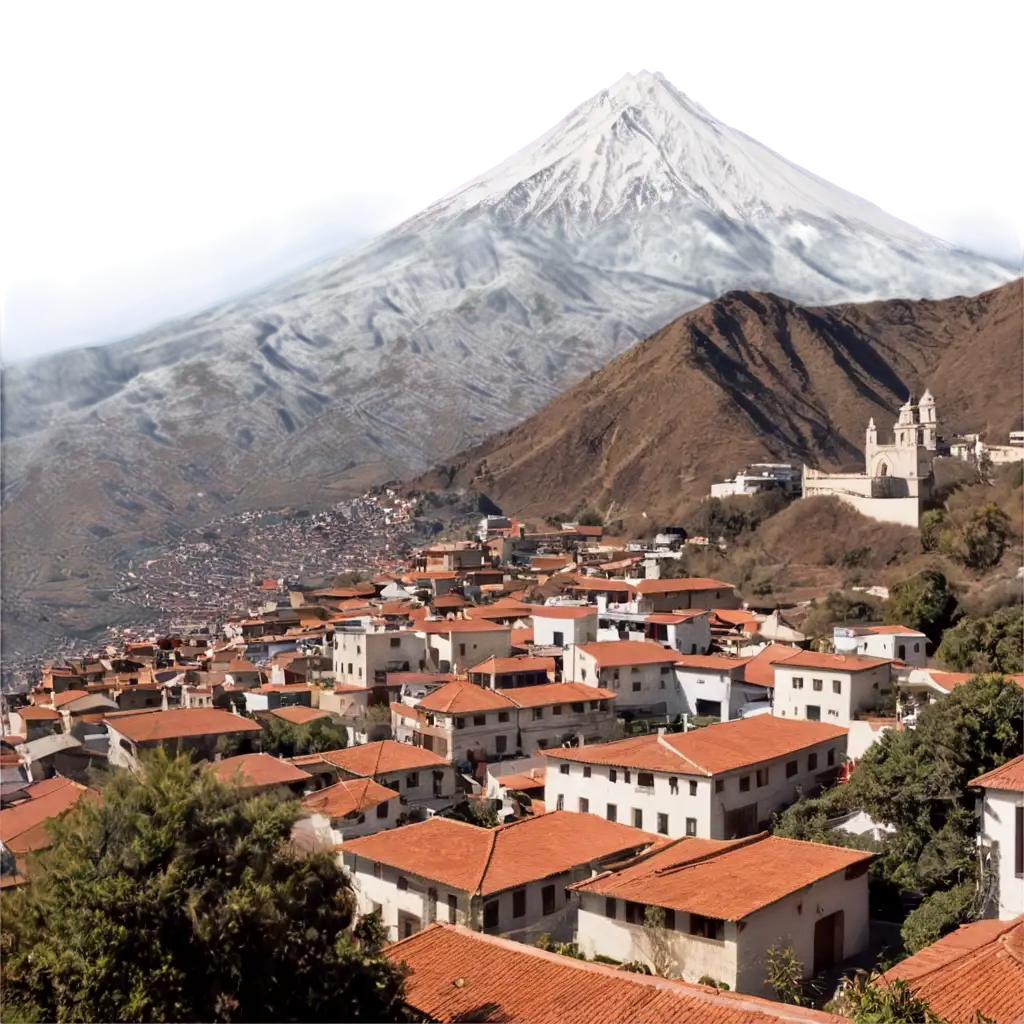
column 590, row 517
column 939, row 914
column 923, row 602
column 288, row 739
column 866, row 1001
column 931, row 525
column 483, row 813
column 976, row 538
column 784, row 972
column 178, row 897
column 993, row 643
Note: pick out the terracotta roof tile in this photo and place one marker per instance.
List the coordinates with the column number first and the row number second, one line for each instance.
column 461, row 697
column 23, row 825
column 460, row 626
column 484, row 861
column 508, row 666
column 459, row 975
column 523, row 781
column 760, row 670
column 555, row 611
column 299, row 714
column 352, row 796
column 893, row 631
column 521, row 637
column 153, row 726
column 1009, row 776
column 612, row 653
column 712, row 750
column 673, row 618
column 835, row 662
column 258, row 770
column 710, row 662
column 681, row 586
column 598, row 585
column 32, row 713
column 980, row 966
column 712, row 877
column 60, row 699
column 372, row 759
column 555, row 693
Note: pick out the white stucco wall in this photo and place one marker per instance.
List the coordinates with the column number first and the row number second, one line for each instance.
column 999, row 830
column 574, row 631
column 859, row 691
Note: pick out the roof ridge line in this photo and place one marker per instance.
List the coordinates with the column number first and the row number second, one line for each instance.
column 487, row 862
column 663, row 741
column 737, row 844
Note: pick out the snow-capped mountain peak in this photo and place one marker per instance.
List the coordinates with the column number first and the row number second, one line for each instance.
column 642, row 142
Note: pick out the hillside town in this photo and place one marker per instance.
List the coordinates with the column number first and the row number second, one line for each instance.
column 538, row 742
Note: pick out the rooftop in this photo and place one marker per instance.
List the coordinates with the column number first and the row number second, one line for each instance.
column 255, row 771
column 150, row 727
column 760, row 669
column 723, row 747
column 353, row 796
column 681, row 586
column 22, row 826
column 564, row 611
column 1008, row 776
column 613, row 653
column 372, row 759
column 466, row 698
column 834, row 662
column 979, row 967
column 459, row 626
column 483, row 861
column 509, row 666
column 712, row 877
column 299, row 714
column 710, row 662
column 458, row 975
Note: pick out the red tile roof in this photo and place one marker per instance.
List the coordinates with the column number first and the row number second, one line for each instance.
column 595, row 583
column 893, row 631
column 760, row 670
column 617, row 653
column 60, row 699
column 483, row 861
column 673, row 618
column 834, row 662
column 521, row 637
column 23, row 825
column 461, row 697
column 523, row 781
column 710, row 662
column 554, row 611
column 460, row 626
column 372, row 759
column 150, row 727
column 980, row 966
column 555, row 693
column 353, row 796
column 681, row 586
column 32, row 713
column 299, row 714
column 723, row 747
column 713, row 877
column 460, row 975
column 500, row 610
column 509, row 666
column 1009, row 776
column 285, row 688
column 255, row 771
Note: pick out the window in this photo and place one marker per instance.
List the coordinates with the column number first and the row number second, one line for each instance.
column 613, row 813
column 578, row 708
column 584, row 805
column 636, row 685
column 560, row 802
column 613, row 775
column 663, row 824
column 595, row 704
column 378, row 870
column 707, row 927
column 558, row 639
column 557, row 709
column 812, row 762
column 563, row 769
column 403, row 883
column 396, row 641
column 460, row 723
column 502, row 716
column 382, row 809
column 626, row 776
column 693, row 787
column 519, row 903
column 645, row 779
column 453, row 908
column 638, row 818
column 917, row 648
column 691, row 826
column 831, row 756
column 744, row 783
column 833, row 712
column 412, row 780
column 547, row 897
column 609, row 908
column 837, row 686
column 634, row 670
column 816, row 684
column 500, row 744
column 491, row 915
column 634, row 912
column 1018, row 858
column 538, row 714
column 762, row 777
column 792, row 767
column 798, row 683
column 673, row 784
column 813, row 713
column 719, row 785
column 586, row 771
column 350, row 668
column 462, row 650
column 479, row 719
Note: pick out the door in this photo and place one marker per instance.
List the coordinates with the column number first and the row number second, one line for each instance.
column 547, row 895
column 741, row 822
column 408, row 924
column 828, row 941
column 901, row 652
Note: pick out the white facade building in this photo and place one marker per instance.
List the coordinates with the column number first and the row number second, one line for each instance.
column 364, row 654
column 564, row 625
column 349, row 809
column 719, row 782
column 714, row 685
column 1002, row 836
column 456, row 645
column 639, row 673
column 894, row 643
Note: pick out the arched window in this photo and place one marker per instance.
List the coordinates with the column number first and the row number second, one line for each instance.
column 883, row 469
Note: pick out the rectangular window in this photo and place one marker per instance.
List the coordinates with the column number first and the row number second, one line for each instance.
column 547, row 896
column 557, row 709
column 502, row 716
column 578, row 708
column 491, row 915
column 837, row 686
column 396, row 641
column 792, row 767
column 609, row 908
column 460, row 723
column 560, row 802
column 831, row 756
column 691, row 826
column 707, row 927
column 613, row 775
column 634, row 912
column 817, row 684
column 584, row 805
column 479, row 719
column 382, row 809
column 453, row 908
column 626, row 778
column 693, row 787
column 403, row 883
column 563, row 769
column 500, row 744
column 462, row 650
column 744, row 783
column 673, row 784
column 519, row 903
column 636, row 686
column 719, row 785
column 613, row 813
column 663, row 824
column 762, row 777
column 586, row 771
column 645, row 779
column 412, row 780
column 378, row 870
column 538, row 714
column 798, row 683
column 813, row 713
column 638, row 818
column 812, row 762
column 670, row 919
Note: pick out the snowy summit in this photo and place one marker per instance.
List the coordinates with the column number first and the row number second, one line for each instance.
column 636, row 146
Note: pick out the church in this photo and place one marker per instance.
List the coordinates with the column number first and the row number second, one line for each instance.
column 898, row 477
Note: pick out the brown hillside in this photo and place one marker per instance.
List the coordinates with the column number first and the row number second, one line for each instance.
column 751, row 377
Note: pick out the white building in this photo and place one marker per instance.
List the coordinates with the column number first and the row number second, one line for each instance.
column 895, row 643
column 347, row 810
column 725, row 904
column 761, row 476
column 464, row 722
column 719, row 782
column 715, row 685
column 564, row 625
column 897, row 477
column 456, row 645
column 843, row 689
column 365, row 653
column 510, row 880
column 1002, row 836
column 639, row 673
column 688, row 632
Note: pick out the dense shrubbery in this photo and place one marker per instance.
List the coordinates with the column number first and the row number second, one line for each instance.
column 972, row 537
column 994, row 643
column 925, row 602
column 287, row 739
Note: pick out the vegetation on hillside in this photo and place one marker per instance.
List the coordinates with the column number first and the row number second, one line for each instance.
column 177, row 897
column 289, row 739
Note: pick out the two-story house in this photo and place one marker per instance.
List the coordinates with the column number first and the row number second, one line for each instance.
column 509, row 673
column 364, row 653
column 562, row 625
column 893, row 643
column 1002, row 835
column 509, row 880
column 712, row 684
column 640, row 673
column 456, row 645
column 721, row 905
column 723, row 781
column 347, row 810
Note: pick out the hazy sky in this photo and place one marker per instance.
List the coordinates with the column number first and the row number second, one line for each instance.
column 913, row 137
